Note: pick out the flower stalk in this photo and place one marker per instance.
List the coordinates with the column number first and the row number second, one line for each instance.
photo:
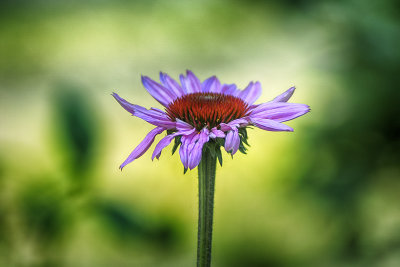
column 207, row 169
column 202, row 117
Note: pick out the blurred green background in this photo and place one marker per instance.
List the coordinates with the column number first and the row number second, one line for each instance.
column 326, row 195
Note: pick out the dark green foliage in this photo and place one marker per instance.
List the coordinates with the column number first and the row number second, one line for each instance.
column 76, row 122
column 43, row 211
column 128, row 224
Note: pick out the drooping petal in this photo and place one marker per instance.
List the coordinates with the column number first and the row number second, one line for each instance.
column 216, row 133
column 161, row 145
column 143, row 146
column 186, row 141
column 192, row 147
column 211, row 85
column 285, row 96
column 190, row 83
column 183, row 129
column 279, row 111
column 159, row 92
column 271, row 125
column 183, row 126
column 195, row 152
column 232, row 141
column 153, row 116
column 131, row 108
column 171, row 84
column 234, row 124
column 159, row 111
column 251, row 93
column 238, row 122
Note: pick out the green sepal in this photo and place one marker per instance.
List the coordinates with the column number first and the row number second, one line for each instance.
column 177, row 142
column 220, row 141
column 185, row 170
column 242, row 148
column 243, row 135
column 243, row 140
column 243, row 132
column 219, row 154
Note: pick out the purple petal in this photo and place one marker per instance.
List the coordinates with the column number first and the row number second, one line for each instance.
column 171, row 84
column 184, row 149
column 233, row 124
column 251, row 93
column 159, row 112
column 239, row 122
column 285, row 96
column 270, row 125
column 196, row 152
column 183, row 155
column 183, row 126
column 279, row 111
column 153, row 116
column 216, row 133
column 264, row 107
column 143, row 146
column 195, row 155
column 229, row 89
column 192, row 147
column 183, row 129
column 232, row 141
column 131, row 108
column 159, row 92
column 161, row 145
column 190, row 83
column 211, row 85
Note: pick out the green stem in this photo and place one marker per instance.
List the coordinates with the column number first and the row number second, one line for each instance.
column 207, row 168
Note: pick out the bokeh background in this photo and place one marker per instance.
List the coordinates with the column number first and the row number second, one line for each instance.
column 326, row 195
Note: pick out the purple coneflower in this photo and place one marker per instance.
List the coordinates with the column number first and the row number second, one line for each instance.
column 200, row 112
column 200, row 118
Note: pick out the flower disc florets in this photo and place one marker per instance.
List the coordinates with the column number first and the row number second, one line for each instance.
column 207, row 109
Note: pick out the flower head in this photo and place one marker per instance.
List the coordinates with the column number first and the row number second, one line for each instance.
column 207, row 114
